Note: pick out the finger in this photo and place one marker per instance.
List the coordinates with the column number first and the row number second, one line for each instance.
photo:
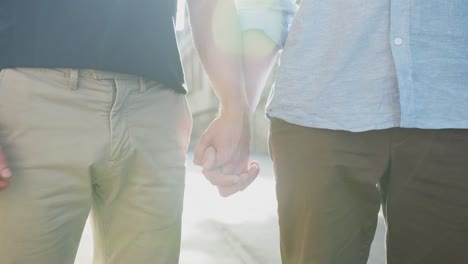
column 4, row 184
column 212, row 174
column 199, row 152
column 251, row 171
column 224, row 156
column 219, row 179
column 209, row 159
column 254, row 168
column 252, row 174
column 236, row 165
column 242, row 162
column 5, row 171
column 228, row 168
column 228, row 191
column 245, row 180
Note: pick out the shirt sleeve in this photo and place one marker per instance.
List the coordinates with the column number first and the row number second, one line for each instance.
column 273, row 17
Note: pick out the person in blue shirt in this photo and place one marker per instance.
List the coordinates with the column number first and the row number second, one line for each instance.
column 369, row 110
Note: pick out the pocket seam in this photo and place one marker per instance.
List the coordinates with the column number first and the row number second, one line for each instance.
column 2, row 73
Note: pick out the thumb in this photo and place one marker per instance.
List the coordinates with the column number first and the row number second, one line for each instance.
column 199, row 151
column 254, row 169
column 252, row 173
column 5, row 171
column 209, row 158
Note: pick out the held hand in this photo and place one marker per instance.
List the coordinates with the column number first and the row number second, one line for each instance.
column 214, row 174
column 5, row 172
column 228, row 184
column 229, row 135
column 245, row 180
column 223, row 152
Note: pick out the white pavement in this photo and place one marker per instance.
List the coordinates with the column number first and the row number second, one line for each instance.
column 238, row 230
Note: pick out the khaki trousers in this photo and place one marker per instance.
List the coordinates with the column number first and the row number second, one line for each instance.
column 331, row 184
column 81, row 141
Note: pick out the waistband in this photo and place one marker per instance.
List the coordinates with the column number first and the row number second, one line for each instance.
column 75, row 74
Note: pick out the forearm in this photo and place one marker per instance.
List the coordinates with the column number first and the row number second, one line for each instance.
column 217, row 38
column 260, row 53
column 264, row 24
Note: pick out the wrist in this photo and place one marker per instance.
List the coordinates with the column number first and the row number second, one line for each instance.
column 239, row 110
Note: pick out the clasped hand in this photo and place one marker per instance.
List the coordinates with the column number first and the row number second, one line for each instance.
column 223, row 152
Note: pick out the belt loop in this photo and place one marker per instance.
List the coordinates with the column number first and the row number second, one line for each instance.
column 142, row 85
column 95, row 76
column 73, row 82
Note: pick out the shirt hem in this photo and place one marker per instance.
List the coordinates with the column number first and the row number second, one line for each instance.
column 323, row 125
column 386, row 124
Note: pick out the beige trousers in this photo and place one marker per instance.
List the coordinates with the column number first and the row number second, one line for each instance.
column 81, row 141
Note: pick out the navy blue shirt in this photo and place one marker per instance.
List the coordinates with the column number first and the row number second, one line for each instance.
column 124, row 36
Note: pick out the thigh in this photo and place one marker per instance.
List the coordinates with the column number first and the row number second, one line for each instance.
column 326, row 189
column 44, row 210
column 43, row 214
column 427, row 198
column 136, row 215
column 138, row 204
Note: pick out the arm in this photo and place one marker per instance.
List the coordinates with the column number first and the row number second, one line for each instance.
column 259, row 55
column 217, row 38
column 258, row 58
column 264, row 26
column 255, row 60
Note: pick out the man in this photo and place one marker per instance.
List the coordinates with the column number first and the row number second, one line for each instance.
column 93, row 117
column 370, row 108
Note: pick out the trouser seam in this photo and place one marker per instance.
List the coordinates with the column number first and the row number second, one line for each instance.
column 111, row 113
column 73, row 79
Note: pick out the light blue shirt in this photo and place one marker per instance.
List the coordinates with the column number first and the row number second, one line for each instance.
column 273, row 17
column 360, row 65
